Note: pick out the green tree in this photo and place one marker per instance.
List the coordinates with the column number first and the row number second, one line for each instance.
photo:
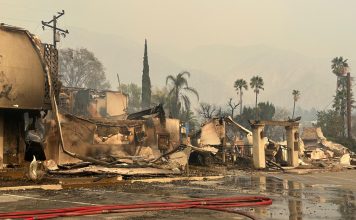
column 256, row 84
column 266, row 112
column 188, row 116
column 134, row 96
column 146, row 82
column 278, row 133
column 160, row 96
column 178, row 89
column 340, row 67
column 248, row 113
column 80, row 68
column 330, row 123
column 296, row 96
column 239, row 85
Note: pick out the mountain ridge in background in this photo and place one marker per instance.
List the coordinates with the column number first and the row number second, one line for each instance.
column 214, row 68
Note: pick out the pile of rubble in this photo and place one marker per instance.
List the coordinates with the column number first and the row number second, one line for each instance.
column 319, row 150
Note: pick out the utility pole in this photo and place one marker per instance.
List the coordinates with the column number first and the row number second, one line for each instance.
column 118, row 79
column 348, row 102
column 56, row 30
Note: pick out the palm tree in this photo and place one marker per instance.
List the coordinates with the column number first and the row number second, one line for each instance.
column 239, row 85
column 296, row 96
column 178, row 93
column 256, row 83
column 339, row 67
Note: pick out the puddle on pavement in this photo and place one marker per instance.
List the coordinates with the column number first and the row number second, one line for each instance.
column 295, row 200
column 5, row 199
column 291, row 199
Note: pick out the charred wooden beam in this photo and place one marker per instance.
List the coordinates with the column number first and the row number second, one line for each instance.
column 274, row 123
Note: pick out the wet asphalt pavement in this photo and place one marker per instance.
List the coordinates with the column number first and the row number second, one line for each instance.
column 328, row 195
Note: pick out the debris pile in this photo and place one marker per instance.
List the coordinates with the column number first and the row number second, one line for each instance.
column 225, row 139
column 121, row 146
column 319, row 149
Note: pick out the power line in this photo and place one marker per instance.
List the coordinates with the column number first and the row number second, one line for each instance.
column 56, row 30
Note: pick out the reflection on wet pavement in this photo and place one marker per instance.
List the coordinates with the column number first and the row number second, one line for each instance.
column 315, row 196
column 294, row 200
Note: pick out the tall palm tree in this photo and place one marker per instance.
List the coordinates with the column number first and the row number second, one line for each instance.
column 256, row 84
column 178, row 92
column 296, row 96
column 239, row 85
column 339, row 67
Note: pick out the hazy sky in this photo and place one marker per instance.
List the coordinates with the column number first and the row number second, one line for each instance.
column 314, row 28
